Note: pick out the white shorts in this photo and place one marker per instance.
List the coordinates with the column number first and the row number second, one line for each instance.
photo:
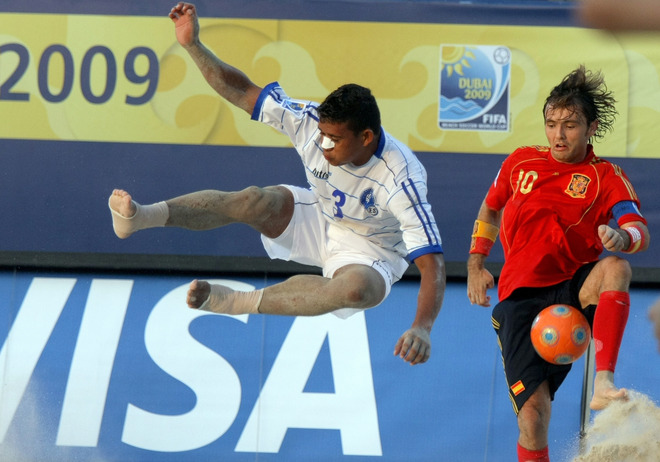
column 311, row 240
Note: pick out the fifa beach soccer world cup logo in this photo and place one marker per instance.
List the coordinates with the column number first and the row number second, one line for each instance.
column 474, row 87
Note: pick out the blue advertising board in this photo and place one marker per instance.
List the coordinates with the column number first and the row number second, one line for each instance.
column 117, row 368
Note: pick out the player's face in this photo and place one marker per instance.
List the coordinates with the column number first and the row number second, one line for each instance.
column 568, row 134
column 349, row 148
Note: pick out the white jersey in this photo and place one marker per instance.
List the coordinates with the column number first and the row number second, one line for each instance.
column 383, row 201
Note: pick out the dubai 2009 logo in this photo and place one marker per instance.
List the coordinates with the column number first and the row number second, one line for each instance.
column 474, row 88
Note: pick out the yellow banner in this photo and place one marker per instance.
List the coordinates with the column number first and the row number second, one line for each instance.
column 126, row 79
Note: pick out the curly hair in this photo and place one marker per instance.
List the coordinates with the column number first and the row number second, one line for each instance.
column 585, row 91
column 353, row 104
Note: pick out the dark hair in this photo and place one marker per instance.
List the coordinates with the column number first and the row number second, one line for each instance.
column 353, row 104
column 585, row 91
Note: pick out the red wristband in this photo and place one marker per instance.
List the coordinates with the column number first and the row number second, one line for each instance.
column 483, row 237
column 636, row 239
column 481, row 245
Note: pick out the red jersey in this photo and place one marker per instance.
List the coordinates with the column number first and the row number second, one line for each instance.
column 551, row 215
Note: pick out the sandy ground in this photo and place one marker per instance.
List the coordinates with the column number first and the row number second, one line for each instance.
column 627, row 431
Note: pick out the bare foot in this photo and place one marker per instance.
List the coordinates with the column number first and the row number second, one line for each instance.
column 605, row 392
column 123, row 210
column 122, row 203
column 198, row 293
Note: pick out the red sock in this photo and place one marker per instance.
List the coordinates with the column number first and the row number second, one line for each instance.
column 525, row 455
column 609, row 323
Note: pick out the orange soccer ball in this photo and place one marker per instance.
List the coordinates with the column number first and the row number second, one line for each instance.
column 560, row 334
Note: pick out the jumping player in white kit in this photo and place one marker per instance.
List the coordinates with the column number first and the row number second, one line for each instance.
column 363, row 218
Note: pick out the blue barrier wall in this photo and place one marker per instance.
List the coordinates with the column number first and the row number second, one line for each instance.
column 67, row 184
column 116, row 368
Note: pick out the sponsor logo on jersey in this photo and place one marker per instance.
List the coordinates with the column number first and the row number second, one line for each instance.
column 577, row 188
column 321, row 174
column 368, row 201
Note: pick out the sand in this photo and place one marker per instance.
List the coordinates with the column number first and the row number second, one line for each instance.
column 626, row 431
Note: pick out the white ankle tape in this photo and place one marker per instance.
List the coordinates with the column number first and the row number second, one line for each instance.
column 222, row 299
column 146, row 216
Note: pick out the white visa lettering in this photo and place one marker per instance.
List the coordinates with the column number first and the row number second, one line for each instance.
column 213, row 380
column 283, row 404
column 26, row 340
column 91, row 366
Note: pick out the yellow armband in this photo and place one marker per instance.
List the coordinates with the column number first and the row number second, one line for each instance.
column 483, row 237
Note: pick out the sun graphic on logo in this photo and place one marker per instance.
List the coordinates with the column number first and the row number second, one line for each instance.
column 455, row 58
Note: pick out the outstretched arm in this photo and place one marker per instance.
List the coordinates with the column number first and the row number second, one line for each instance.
column 414, row 346
column 229, row 82
column 479, row 278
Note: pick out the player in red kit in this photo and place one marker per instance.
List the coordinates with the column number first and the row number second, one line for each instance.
column 555, row 209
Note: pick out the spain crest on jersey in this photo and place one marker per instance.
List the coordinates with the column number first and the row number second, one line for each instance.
column 577, row 188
